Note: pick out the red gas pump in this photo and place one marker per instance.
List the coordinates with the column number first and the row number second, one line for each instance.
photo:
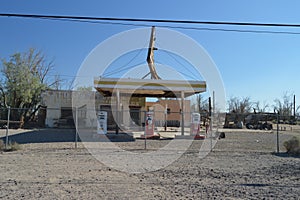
column 195, row 126
column 149, row 127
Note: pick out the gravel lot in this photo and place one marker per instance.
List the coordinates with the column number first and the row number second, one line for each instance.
column 241, row 166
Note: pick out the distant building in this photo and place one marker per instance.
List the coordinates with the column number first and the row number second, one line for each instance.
column 60, row 110
column 169, row 110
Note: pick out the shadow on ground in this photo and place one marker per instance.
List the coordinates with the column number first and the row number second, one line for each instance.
column 65, row 135
column 43, row 136
column 285, row 155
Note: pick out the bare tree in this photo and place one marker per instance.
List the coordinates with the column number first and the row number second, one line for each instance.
column 201, row 103
column 285, row 105
column 257, row 107
column 57, row 83
column 240, row 105
column 298, row 112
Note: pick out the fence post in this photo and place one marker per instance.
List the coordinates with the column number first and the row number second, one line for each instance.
column 277, row 133
column 210, row 122
column 76, row 127
column 7, row 127
column 182, row 112
column 166, row 117
column 145, row 142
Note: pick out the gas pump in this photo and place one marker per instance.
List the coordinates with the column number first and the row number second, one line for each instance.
column 102, row 122
column 195, row 125
column 149, row 128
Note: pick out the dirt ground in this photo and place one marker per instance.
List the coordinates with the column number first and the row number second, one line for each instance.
column 241, row 166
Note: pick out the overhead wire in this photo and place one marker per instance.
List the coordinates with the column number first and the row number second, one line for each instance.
column 190, row 28
column 113, row 21
column 186, row 68
column 138, row 22
column 151, row 20
column 120, row 68
column 185, row 74
column 129, row 67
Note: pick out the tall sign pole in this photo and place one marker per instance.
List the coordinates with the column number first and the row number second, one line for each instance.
column 150, row 56
column 294, row 106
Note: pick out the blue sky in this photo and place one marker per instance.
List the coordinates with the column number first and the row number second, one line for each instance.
column 261, row 66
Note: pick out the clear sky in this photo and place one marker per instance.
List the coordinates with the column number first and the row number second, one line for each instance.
column 261, row 66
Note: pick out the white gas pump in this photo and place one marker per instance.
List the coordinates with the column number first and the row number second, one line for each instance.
column 149, row 128
column 195, row 125
column 102, row 122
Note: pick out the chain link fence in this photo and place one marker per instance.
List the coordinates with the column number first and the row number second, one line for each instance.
column 134, row 119
column 58, row 124
column 65, row 118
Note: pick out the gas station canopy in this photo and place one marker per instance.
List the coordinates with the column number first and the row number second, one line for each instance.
column 149, row 87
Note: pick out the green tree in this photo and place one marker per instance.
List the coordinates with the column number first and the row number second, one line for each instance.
column 24, row 78
column 84, row 88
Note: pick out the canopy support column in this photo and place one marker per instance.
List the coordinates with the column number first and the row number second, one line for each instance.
column 182, row 112
column 117, row 110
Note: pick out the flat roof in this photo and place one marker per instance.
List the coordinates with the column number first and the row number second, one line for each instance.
column 149, row 87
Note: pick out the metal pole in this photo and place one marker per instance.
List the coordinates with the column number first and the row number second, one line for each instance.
column 277, row 135
column 145, row 135
column 117, row 111
column 76, row 127
column 210, row 122
column 214, row 103
column 7, row 127
column 182, row 113
column 294, row 107
column 166, row 117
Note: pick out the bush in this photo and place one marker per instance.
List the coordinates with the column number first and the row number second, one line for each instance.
column 2, row 145
column 292, row 145
column 12, row 146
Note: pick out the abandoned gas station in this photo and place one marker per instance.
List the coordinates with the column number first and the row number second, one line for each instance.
column 137, row 88
column 124, row 99
column 154, row 87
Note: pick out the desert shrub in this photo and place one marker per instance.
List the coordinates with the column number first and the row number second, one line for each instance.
column 2, row 145
column 292, row 145
column 14, row 146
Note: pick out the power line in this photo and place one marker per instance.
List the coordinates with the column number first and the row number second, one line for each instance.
column 181, row 27
column 113, row 21
column 151, row 20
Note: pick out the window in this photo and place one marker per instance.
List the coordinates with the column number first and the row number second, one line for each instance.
column 168, row 111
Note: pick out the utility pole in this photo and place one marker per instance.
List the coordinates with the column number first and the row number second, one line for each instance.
column 295, row 106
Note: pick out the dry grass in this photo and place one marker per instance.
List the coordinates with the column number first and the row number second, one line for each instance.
column 2, row 145
column 12, row 146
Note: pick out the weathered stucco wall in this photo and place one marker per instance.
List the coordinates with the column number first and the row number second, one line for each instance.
column 88, row 103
